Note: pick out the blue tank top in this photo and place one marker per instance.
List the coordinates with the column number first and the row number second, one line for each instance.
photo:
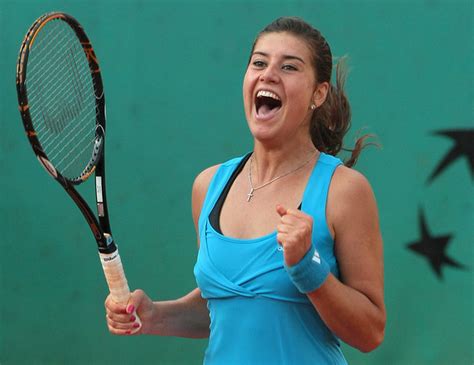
column 258, row 316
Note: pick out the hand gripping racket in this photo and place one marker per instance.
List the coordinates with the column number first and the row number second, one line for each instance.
column 62, row 105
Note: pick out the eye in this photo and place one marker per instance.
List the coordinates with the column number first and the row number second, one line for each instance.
column 289, row 68
column 258, row 64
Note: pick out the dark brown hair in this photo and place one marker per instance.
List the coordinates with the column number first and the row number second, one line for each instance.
column 331, row 121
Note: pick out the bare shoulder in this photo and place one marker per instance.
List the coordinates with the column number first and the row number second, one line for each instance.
column 350, row 197
column 200, row 186
column 203, row 179
column 348, row 182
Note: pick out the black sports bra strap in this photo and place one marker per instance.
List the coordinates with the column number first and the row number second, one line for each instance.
column 214, row 216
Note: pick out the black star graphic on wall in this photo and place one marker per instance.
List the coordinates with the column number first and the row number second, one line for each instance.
column 464, row 146
column 433, row 248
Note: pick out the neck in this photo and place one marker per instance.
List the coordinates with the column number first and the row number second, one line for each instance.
column 272, row 162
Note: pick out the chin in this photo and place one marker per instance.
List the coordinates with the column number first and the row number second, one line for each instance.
column 264, row 135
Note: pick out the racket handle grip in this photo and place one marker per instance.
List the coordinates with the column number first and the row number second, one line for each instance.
column 116, row 280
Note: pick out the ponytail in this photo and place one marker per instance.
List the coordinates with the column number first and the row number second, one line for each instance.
column 332, row 120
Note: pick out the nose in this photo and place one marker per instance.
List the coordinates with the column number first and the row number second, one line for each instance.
column 270, row 75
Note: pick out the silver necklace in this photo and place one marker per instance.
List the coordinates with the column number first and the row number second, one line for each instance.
column 255, row 188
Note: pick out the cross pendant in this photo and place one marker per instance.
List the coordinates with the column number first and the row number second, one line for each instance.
column 250, row 194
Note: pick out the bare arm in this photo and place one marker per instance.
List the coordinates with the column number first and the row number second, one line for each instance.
column 353, row 308
column 184, row 317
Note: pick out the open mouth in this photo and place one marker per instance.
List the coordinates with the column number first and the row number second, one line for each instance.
column 267, row 103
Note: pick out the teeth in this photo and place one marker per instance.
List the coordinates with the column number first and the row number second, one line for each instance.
column 268, row 94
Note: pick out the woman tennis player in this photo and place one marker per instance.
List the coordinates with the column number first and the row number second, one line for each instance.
column 290, row 259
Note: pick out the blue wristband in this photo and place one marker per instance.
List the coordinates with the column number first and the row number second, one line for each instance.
column 310, row 273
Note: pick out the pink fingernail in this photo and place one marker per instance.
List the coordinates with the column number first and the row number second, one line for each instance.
column 128, row 332
column 132, row 319
column 136, row 325
column 130, row 308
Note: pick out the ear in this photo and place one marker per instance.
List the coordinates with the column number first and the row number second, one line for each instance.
column 320, row 94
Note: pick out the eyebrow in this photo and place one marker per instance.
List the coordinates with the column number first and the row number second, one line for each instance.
column 286, row 57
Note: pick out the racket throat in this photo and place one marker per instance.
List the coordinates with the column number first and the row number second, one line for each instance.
column 107, row 244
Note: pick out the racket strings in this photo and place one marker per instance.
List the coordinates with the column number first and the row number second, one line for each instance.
column 42, row 49
column 54, row 99
column 52, row 139
column 59, row 149
column 60, row 66
column 62, row 88
column 46, row 69
column 62, row 101
column 88, row 166
column 70, row 160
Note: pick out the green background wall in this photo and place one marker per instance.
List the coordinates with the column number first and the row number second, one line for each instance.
column 173, row 75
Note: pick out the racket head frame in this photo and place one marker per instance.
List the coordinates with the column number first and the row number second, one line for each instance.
column 100, row 228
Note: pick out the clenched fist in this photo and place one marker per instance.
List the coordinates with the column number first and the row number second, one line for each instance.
column 294, row 234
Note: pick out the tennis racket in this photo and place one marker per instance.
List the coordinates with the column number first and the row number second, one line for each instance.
column 62, row 105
